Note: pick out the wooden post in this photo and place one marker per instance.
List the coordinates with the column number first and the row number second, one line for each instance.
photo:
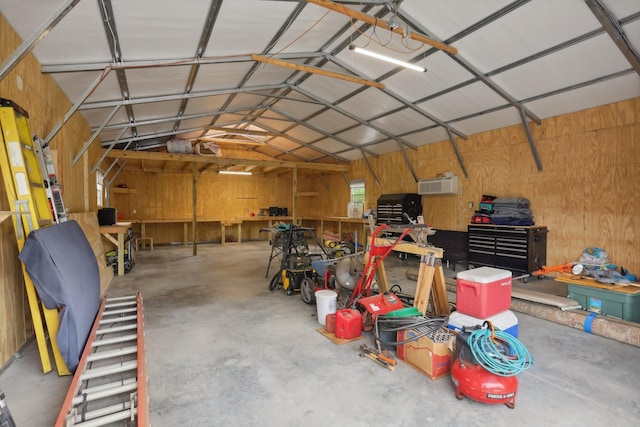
column 194, row 232
column 294, row 214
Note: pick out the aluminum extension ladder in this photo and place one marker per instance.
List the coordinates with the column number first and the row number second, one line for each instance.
column 110, row 384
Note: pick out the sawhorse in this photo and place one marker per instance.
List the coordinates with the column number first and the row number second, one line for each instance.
column 431, row 283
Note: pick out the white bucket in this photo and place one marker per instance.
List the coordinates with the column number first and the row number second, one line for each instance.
column 326, row 304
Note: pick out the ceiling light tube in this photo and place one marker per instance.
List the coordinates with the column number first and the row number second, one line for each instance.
column 357, row 49
column 234, row 173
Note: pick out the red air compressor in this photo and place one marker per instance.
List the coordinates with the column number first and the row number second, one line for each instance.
column 479, row 384
column 376, row 305
column 486, row 363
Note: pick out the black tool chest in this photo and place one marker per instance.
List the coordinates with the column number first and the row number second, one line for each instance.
column 518, row 249
column 391, row 208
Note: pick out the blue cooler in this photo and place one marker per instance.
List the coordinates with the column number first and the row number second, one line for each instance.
column 505, row 321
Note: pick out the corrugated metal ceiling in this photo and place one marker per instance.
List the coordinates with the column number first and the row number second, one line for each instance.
column 146, row 71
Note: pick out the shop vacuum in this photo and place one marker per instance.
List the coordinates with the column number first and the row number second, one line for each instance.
column 486, row 363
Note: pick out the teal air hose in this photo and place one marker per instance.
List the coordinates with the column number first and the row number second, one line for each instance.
column 499, row 352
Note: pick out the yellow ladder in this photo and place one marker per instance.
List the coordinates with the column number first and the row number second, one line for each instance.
column 27, row 194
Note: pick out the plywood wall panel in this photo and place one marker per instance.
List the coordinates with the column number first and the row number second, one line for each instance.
column 88, row 221
column 616, row 114
column 13, row 306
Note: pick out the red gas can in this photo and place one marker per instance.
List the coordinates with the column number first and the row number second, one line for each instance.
column 348, row 323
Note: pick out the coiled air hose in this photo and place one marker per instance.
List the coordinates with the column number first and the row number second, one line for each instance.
column 499, row 352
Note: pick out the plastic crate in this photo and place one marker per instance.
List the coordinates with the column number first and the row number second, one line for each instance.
column 621, row 304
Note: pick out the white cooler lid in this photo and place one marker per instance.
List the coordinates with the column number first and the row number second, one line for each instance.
column 484, row 275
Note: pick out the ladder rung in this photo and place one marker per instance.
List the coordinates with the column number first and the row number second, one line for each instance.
column 112, row 353
column 121, row 311
column 108, row 370
column 108, row 419
column 118, row 319
column 114, row 340
column 107, row 410
column 119, row 304
column 107, row 386
column 116, row 329
column 127, row 297
column 117, row 388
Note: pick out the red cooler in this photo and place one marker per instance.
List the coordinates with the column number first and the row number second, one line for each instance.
column 348, row 323
column 483, row 292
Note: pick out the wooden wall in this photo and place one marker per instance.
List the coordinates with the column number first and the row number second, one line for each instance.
column 46, row 105
column 170, row 196
column 586, row 194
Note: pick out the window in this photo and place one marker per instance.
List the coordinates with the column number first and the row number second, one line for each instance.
column 99, row 185
column 357, row 191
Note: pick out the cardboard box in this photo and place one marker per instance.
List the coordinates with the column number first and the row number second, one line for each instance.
column 430, row 358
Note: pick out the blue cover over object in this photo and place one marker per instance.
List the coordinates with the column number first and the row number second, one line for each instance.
column 64, row 271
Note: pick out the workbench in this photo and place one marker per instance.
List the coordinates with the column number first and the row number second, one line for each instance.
column 361, row 226
column 120, row 229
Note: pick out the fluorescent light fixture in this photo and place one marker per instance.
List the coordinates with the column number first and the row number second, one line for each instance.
column 234, row 173
column 357, row 49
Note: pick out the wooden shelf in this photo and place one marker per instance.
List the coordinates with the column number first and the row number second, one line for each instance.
column 124, row 190
column 308, row 193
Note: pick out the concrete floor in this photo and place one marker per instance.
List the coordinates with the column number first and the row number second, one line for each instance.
column 222, row 350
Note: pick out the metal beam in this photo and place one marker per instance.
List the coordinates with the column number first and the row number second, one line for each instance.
column 95, row 134
column 36, row 37
column 481, row 76
column 178, row 62
column 104, row 155
column 615, row 31
column 457, row 152
column 111, row 32
column 375, row 177
column 317, row 129
column 75, row 106
column 212, row 15
column 532, row 143
column 178, row 97
column 353, row 117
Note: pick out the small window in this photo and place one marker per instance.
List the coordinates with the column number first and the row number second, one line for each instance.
column 99, row 187
column 357, row 191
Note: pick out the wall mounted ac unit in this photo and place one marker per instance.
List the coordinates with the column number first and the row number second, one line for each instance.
column 440, row 185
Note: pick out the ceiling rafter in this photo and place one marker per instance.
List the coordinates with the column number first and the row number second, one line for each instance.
column 209, row 22
column 283, row 28
column 111, row 31
column 614, row 30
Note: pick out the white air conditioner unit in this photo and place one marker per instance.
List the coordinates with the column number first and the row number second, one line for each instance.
column 440, row 185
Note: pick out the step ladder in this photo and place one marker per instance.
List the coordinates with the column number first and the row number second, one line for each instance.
column 109, row 386
column 32, row 209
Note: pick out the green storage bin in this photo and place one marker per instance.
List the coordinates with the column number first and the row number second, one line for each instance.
column 623, row 305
